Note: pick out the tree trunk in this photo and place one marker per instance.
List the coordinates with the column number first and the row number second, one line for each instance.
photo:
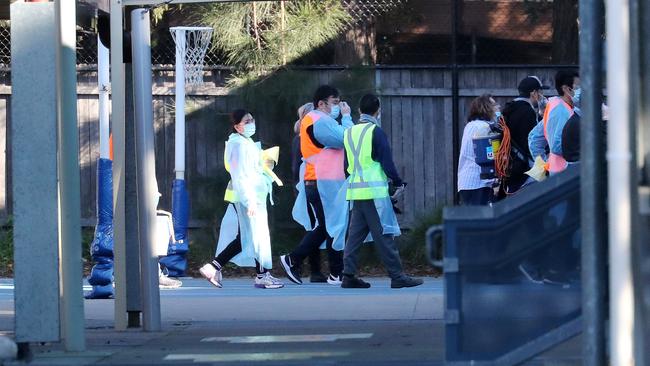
column 565, row 32
column 357, row 46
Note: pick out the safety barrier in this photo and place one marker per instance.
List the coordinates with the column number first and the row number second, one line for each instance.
column 512, row 273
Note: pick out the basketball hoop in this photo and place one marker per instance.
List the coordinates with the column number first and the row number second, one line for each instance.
column 191, row 46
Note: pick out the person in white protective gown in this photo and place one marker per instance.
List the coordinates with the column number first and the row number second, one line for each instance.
column 244, row 237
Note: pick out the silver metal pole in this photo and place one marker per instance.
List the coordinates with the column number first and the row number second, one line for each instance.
column 72, row 306
column 179, row 125
column 592, row 185
column 619, row 157
column 103, row 76
column 34, row 173
column 147, row 186
column 117, row 115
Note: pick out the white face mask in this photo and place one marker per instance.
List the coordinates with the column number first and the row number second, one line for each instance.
column 335, row 111
column 577, row 93
column 249, row 130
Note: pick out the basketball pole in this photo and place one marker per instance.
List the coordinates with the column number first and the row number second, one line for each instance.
column 179, row 141
column 103, row 75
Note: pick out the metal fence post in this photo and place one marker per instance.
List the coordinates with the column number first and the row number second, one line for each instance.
column 455, row 95
column 619, row 157
column 117, row 116
column 72, row 306
column 593, row 183
column 147, row 186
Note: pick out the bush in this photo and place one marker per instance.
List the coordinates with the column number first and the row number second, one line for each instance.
column 413, row 243
column 7, row 249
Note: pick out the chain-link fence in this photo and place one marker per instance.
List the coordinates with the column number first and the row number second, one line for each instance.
column 5, row 44
column 420, row 32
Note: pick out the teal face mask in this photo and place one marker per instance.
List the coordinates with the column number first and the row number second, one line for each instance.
column 336, row 111
column 249, row 130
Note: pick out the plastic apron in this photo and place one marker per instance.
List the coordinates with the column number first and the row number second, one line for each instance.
column 331, row 189
column 248, row 179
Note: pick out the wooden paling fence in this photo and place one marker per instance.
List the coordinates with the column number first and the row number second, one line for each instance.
column 416, row 115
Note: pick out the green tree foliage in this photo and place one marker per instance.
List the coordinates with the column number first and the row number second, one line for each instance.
column 257, row 38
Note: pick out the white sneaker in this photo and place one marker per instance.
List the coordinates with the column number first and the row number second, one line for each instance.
column 168, row 282
column 334, row 280
column 268, row 281
column 211, row 274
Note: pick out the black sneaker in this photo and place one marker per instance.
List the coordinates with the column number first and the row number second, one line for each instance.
column 405, row 282
column 285, row 260
column 354, row 282
column 317, row 277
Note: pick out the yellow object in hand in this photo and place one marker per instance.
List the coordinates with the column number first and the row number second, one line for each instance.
column 538, row 171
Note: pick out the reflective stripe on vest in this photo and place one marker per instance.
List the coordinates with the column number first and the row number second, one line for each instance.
column 367, row 178
column 307, row 146
column 556, row 163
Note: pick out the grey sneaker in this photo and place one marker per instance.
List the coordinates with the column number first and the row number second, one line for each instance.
column 168, row 282
column 211, row 274
column 268, row 281
column 405, row 281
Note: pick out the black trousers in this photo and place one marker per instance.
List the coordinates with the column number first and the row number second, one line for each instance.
column 314, row 256
column 476, row 197
column 313, row 239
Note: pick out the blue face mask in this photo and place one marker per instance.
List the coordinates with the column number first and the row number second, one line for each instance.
column 336, row 110
column 576, row 97
column 249, row 130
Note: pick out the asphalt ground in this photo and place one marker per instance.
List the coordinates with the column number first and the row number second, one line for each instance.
column 312, row 324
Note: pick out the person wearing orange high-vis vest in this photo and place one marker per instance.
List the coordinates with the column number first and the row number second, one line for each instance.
column 548, row 132
column 320, row 135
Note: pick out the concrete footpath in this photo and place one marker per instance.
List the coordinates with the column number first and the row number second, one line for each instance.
column 312, row 324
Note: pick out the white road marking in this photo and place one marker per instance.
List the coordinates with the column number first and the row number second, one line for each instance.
column 299, row 338
column 232, row 357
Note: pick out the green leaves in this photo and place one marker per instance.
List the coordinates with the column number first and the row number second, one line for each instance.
column 260, row 37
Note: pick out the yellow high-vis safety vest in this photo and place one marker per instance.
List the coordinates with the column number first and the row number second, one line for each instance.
column 230, row 195
column 367, row 178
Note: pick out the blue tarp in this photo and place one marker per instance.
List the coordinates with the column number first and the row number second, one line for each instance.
column 175, row 262
column 101, row 249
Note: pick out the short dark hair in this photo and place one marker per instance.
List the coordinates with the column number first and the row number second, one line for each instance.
column 565, row 77
column 323, row 92
column 237, row 115
column 369, row 104
column 481, row 108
